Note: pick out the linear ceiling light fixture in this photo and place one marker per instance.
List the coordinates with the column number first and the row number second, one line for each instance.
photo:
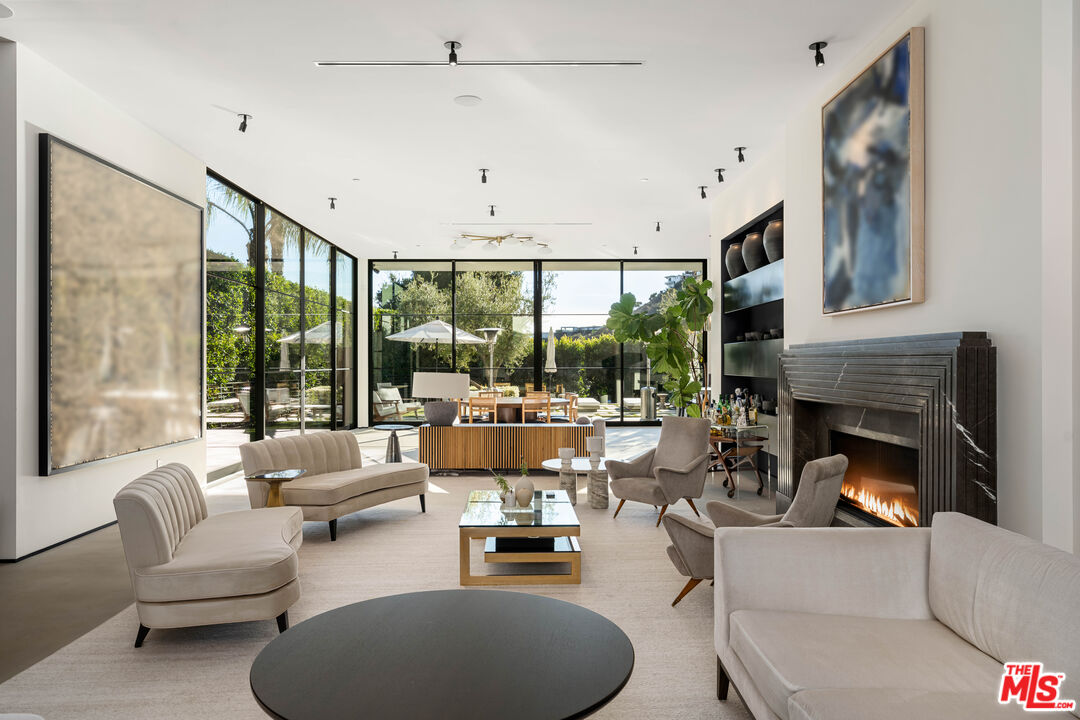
column 720, row 174
column 817, row 47
column 244, row 117
column 742, row 158
column 452, row 61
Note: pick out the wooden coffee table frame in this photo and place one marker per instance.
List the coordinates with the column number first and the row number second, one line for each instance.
column 467, row 534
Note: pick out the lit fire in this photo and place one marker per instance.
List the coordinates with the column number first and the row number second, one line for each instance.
column 895, row 510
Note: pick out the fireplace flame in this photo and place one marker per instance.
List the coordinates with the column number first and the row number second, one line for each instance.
column 895, row 510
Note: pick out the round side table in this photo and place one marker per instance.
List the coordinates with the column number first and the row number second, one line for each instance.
column 393, row 445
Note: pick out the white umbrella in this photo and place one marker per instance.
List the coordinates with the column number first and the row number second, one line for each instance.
column 549, row 365
column 320, row 334
column 435, row 332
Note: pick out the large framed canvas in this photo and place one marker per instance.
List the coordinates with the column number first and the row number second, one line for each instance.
column 121, row 311
column 872, row 184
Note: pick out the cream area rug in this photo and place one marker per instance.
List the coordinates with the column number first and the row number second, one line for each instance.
column 203, row 672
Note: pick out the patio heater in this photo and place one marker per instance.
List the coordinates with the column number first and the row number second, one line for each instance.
column 490, row 335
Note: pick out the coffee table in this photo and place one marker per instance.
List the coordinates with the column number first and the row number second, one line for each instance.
column 452, row 654
column 274, row 479
column 547, row 531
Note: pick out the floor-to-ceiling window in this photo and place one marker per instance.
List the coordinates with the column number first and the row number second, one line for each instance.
column 506, row 314
column 281, row 349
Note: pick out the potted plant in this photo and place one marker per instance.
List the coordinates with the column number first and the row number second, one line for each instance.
column 672, row 337
column 503, row 487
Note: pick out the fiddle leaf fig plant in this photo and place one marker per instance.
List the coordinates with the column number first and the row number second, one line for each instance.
column 672, row 338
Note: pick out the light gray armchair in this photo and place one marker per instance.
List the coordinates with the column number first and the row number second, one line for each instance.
column 674, row 469
column 691, row 549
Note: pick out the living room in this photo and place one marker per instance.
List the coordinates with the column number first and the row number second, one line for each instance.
column 364, row 346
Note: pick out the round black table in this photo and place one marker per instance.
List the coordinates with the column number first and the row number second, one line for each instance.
column 445, row 654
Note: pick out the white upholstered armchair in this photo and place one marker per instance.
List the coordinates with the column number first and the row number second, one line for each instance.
column 674, row 469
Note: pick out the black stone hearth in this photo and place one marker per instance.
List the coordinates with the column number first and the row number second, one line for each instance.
column 935, row 394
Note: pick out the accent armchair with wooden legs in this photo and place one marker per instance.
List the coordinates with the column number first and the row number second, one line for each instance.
column 691, row 549
column 673, row 470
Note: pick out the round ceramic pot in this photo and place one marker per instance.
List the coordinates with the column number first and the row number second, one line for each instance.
column 567, row 454
column 523, row 492
column 753, row 252
column 734, row 261
column 774, row 240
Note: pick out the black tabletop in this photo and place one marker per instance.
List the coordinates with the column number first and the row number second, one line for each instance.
column 445, row 654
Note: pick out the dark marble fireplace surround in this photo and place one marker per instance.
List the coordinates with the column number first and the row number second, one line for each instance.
column 934, row 393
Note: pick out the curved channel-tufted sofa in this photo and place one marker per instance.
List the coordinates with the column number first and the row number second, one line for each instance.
column 188, row 568
column 336, row 482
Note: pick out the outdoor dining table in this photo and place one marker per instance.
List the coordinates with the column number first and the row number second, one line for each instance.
column 510, row 409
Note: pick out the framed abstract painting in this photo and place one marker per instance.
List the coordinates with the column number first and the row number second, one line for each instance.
column 872, row 174
column 121, row 311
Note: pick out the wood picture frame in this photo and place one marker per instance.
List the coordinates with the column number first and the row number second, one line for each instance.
column 873, row 184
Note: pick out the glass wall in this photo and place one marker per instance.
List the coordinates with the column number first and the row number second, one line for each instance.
column 499, row 300
column 274, row 360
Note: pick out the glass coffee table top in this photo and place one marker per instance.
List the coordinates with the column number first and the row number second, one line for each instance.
column 484, row 509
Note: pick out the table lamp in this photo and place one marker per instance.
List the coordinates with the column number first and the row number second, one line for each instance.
column 446, row 387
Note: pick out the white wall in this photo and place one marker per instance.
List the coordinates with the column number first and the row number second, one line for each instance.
column 52, row 509
column 8, row 294
column 984, row 234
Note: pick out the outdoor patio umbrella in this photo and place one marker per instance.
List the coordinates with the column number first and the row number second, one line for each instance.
column 435, row 332
column 549, row 364
column 318, row 335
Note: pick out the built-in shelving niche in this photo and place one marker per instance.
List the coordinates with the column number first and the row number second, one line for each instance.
column 752, row 302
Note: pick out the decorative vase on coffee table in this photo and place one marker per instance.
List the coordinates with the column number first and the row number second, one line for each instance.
column 567, row 476
column 523, row 491
column 753, row 252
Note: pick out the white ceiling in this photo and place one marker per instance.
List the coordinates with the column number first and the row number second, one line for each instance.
column 563, row 144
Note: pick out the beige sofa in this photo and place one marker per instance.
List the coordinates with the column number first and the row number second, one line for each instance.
column 189, row 569
column 336, row 482
column 877, row 624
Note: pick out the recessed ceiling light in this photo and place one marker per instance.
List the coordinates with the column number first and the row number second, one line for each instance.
column 5, row 11
column 356, row 179
column 644, row 179
column 468, row 100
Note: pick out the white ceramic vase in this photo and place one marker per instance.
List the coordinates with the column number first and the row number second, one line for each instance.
column 566, row 455
column 523, row 491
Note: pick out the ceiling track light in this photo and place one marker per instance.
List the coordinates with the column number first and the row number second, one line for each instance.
column 657, row 226
column 491, row 209
column 452, row 46
column 720, row 174
column 635, row 249
column 817, row 47
column 702, row 188
column 332, row 201
column 483, row 175
column 742, row 158
column 244, row 117
column 395, row 254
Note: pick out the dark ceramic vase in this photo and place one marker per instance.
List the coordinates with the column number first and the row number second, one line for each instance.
column 733, row 260
column 774, row 240
column 753, row 252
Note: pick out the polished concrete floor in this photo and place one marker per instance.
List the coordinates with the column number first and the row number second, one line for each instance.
column 49, row 600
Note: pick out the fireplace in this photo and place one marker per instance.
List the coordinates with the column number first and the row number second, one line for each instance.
column 882, row 479
column 916, row 417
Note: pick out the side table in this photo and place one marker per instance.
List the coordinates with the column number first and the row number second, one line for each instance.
column 274, row 480
column 393, row 445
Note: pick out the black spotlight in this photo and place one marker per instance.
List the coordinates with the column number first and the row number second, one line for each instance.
column 395, row 254
column 483, row 175
column 742, row 158
column 720, row 174
column 635, row 249
column 657, row 226
column 491, row 209
column 452, row 46
column 819, row 59
column 702, row 187
column 332, row 201
column 244, row 117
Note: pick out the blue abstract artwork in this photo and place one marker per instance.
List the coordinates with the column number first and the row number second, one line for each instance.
column 867, row 156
